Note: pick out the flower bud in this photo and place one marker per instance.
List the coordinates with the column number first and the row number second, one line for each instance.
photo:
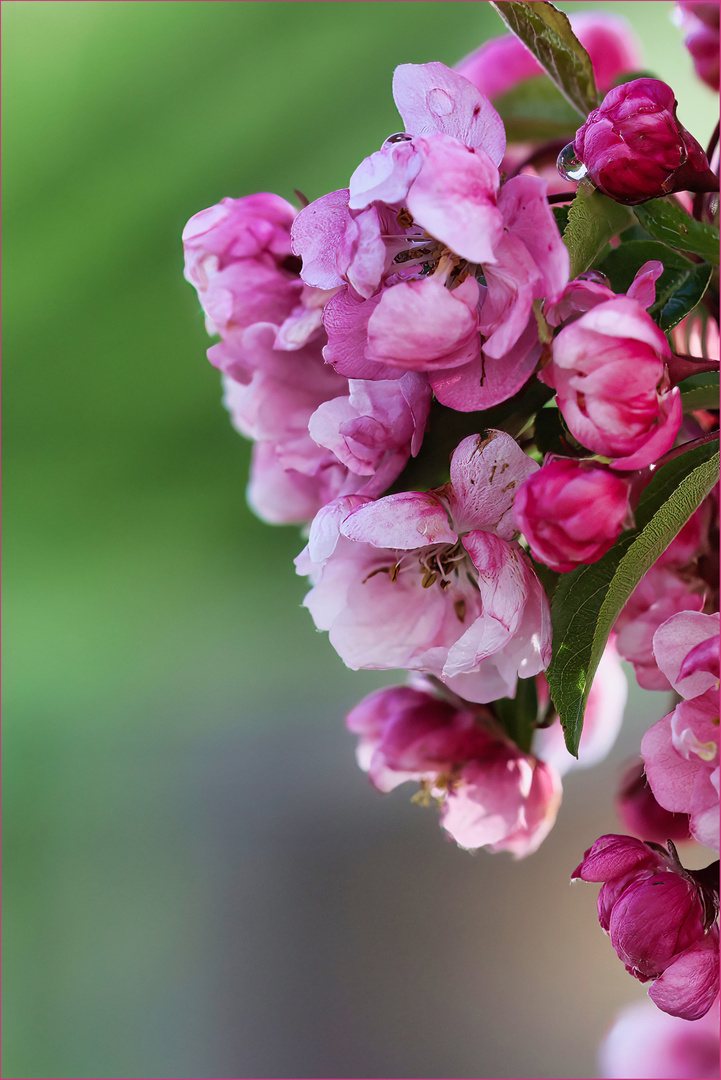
column 634, row 148
column 571, row 512
column 609, row 371
column 660, row 918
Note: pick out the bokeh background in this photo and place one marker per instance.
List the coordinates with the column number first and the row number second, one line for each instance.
column 198, row 880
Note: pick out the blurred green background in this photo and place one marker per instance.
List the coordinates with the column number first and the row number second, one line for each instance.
column 198, row 881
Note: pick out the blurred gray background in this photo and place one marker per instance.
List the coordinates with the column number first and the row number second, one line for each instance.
column 198, row 879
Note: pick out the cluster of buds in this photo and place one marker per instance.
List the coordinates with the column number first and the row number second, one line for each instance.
column 425, row 312
column 660, row 918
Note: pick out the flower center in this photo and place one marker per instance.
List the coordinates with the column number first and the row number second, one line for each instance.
column 427, row 253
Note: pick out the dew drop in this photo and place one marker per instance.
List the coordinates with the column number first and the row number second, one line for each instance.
column 400, row 136
column 569, row 166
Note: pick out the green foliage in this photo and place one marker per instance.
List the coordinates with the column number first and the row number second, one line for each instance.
column 519, row 714
column 588, row 600
column 621, row 264
column 592, row 220
column 679, row 289
column 534, row 111
column 560, row 214
column 668, row 222
column 686, row 295
column 701, row 397
column 550, row 433
column 547, row 32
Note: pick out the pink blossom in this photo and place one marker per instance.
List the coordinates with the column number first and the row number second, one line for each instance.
column 492, row 795
column 321, row 433
column 642, row 815
column 660, row 918
column 682, row 764
column 635, row 149
column 609, row 372
column 686, row 648
column 692, row 542
column 571, row 512
column 409, row 237
column 661, row 593
column 502, row 63
column 375, row 428
column 681, row 751
column 699, row 20
column 433, row 581
column 645, row 1044
column 601, row 722
column 238, row 257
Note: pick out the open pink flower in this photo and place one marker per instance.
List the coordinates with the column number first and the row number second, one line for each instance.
column 613, row 388
column 492, row 795
column 433, row 581
column 660, row 918
column 422, row 219
column 324, row 435
column 661, row 593
column 238, row 257
column 681, row 751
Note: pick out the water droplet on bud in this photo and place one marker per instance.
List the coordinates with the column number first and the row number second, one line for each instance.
column 400, row 136
column 569, row 166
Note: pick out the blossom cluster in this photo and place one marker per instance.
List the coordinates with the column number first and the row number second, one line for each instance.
column 457, row 422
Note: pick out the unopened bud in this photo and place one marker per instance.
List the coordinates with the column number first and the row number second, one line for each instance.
column 634, row 148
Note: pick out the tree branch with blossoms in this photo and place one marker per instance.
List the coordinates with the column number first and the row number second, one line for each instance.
column 486, row 387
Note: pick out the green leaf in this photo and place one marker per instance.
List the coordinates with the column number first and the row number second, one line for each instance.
column 679, row 289
column 518, row 715
column 700, row 397
column 550, row 433
column 684, row 297
column 547, row 32
column 592, row 220
column 560, row 214
column 587, row 601
column 534, row 111
column 621, row 264
column 667, row 221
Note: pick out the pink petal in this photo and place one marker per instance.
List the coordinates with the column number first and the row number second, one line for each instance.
column 405, row 521
column 488, row 380
column 643, row 286
column 690, row 985
column 432, row 98
column 512, row 281
column 420, row 325
column 662, row 439
column 486, row 470
column 346, row 323
column 317, row 235
column 454, row 198
column 528, row 216
column 362, row 253
column 672, row 643
column 384, row 176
